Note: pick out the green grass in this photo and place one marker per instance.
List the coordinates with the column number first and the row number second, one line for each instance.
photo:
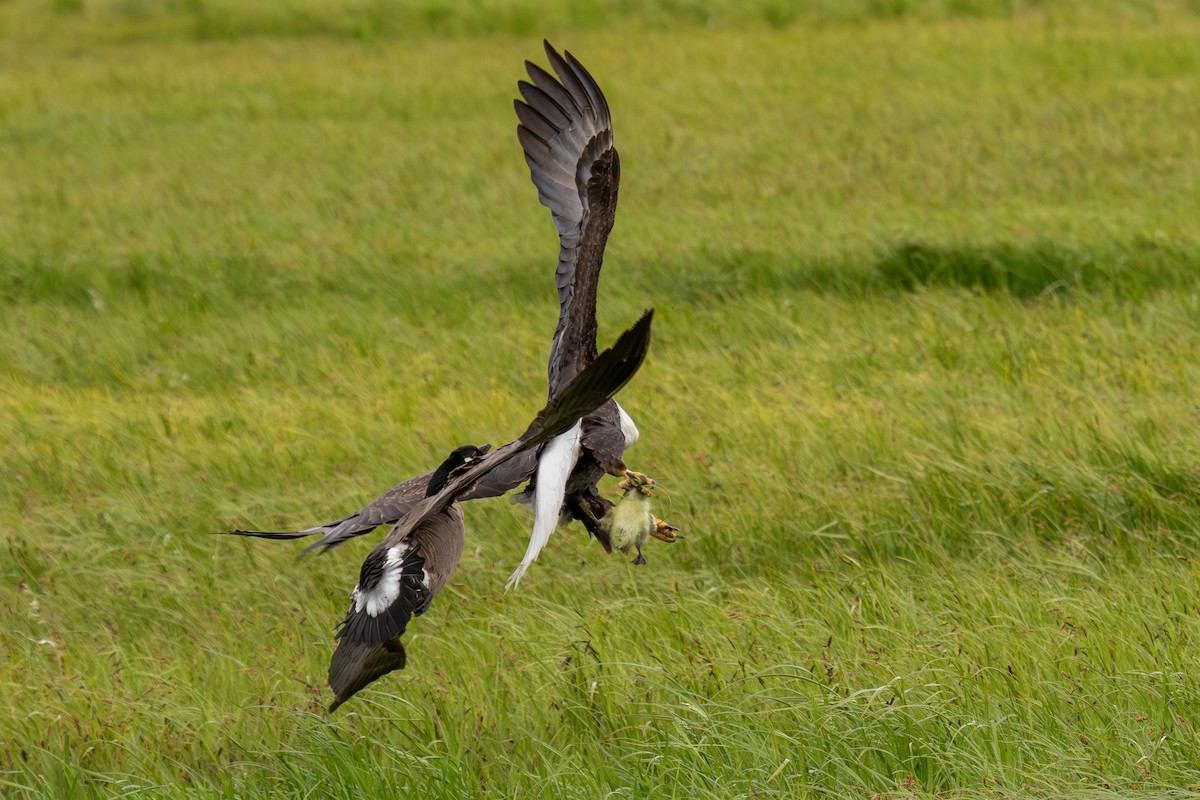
column 922, row 395
column 209, row 20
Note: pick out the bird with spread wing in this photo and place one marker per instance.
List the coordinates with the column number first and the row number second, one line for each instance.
column 566, row 133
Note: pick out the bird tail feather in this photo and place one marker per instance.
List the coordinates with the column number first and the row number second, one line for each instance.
column 557, row 460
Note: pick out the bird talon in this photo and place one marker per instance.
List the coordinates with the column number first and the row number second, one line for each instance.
column 637, row 480
column 666, row 532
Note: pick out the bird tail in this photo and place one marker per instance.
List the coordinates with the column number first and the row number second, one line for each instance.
column 356, row 664
column 555, row 463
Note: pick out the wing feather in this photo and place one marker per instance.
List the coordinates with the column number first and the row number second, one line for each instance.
column 534, row 122
column 573, row 83
column 566, row 132
column 553, row 88
column 389, row 507
column 596, row 97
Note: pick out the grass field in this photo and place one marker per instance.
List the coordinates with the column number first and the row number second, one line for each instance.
column 923, row 395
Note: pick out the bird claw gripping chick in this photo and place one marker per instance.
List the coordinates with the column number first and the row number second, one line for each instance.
column 631, row 521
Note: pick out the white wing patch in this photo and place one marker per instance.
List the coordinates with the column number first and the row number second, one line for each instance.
column 381, row 596
column 555, row 463
column 628, row 429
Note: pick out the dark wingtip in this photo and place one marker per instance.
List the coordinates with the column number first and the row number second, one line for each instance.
column 353, row 667
column 639, row 332
column 264, row 534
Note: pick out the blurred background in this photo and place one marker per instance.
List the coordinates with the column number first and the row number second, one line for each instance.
column 922, row 395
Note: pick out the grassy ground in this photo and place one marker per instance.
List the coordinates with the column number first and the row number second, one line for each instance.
column 923, row 396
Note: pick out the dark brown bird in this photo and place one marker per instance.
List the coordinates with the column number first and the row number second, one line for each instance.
column 401, row 576
column 566, row 132
column 396, row 582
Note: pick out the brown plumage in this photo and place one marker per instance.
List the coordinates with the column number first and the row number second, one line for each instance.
column 389, row 507
column 401, row 576
column 398, row 580
column 566, row 132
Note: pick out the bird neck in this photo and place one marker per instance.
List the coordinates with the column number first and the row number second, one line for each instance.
column 440, row 477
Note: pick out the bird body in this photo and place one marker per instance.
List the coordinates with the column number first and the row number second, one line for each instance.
column 395, row 583
column 631, row 522
column 398, row 580
column 566, row 132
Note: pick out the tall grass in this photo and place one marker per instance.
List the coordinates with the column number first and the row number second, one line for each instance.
column 922, row 395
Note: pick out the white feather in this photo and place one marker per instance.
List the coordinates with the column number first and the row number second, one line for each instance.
column 555, row 463
column 628, row 429
column 381, row 596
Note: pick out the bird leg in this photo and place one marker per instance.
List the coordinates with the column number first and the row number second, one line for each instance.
column 665, row 531
column 590, row 509
column 639, row 559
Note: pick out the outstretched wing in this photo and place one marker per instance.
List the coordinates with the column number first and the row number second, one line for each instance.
column 388, row 508
column 566, row 132
column 383, row 510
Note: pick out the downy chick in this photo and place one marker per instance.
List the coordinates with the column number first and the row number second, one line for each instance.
column 631, row 521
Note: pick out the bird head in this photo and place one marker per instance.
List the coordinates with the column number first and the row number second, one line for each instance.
column 461, row 457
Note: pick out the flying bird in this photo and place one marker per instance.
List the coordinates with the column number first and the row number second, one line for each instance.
column 398, row 581
column 401, row 576
column 566, row 133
